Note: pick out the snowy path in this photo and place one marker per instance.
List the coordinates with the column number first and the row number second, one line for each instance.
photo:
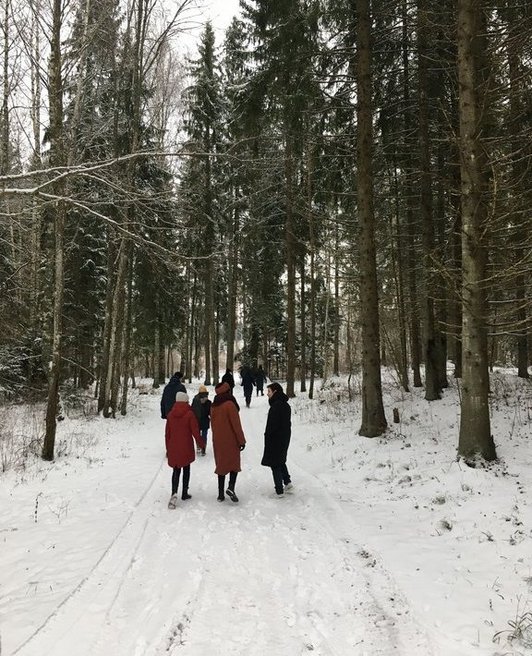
column 284, row 576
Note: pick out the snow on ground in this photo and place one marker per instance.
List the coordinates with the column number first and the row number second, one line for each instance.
column 387, row 546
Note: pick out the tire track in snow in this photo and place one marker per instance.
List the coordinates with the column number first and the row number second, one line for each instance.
column 261, row 576
column 68, row 613
column 388, row 610
column 370, row 591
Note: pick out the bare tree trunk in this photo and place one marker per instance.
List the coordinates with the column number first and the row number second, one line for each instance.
column 336, row 349
column 290, row 271
column 57, row 158
column 117, row 310
column 208, row 325
column 518, row 176
column 312, row 308
column 126, row 341
column 475, row 435
column 373, row 419
column 303, row 331
column 432, row 388
column 232, row 291
column 398, row 264
column 36, row 223
column 411, row 227
column 326, row 321
column 106, row 336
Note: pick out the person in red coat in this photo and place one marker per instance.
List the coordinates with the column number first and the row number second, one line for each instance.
column 227, row 439
column 181, row 430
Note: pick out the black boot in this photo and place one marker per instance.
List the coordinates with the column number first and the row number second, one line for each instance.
column 231, row 488
column 221, row 485
column 186, row 478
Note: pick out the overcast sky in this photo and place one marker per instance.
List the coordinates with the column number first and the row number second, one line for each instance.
column 221, row 12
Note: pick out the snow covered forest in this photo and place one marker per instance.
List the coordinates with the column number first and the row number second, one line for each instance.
column 331, row 188
column 338, row 190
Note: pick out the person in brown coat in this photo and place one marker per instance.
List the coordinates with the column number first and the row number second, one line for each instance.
column 227, row 439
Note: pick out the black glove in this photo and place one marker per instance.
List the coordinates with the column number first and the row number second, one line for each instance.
column 242, row 447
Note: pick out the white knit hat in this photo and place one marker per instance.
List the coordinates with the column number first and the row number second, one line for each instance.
column 181, row 397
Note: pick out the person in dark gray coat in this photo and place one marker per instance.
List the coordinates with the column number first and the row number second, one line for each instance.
column 173, row 386
column 248, row 381
column 277, row 438
column 260, row 379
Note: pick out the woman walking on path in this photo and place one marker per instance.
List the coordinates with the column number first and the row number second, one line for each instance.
column 227, row 439
column 181, row 430
column 277, row 438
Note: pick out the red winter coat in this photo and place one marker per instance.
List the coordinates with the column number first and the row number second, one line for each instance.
column 181, row 431
column 227, row 434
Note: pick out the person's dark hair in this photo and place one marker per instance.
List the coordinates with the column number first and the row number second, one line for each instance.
column 178, row 374
column 275, row 387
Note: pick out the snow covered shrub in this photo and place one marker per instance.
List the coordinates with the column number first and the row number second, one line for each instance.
column 17, row 444
column 76, row 402
column 11, row 372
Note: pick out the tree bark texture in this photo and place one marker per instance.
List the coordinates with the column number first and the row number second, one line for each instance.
column 57, row 157
column 432, row 388
column 475, row 437
column 373, row 418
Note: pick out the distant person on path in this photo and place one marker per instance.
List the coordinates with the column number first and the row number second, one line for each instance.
column 227, row 439
column 201, row 405
column 173, row 386
column 247, row 383
column 181, row 431
column 277, row 438
column 260, row 379
column 229, row 378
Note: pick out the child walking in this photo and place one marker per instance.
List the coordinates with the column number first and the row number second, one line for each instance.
column 201, row 406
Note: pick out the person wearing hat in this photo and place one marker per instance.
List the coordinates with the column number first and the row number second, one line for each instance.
column 201, row 406
column 171, row 389
column 277, row 439
column 181, row 431
column 227, row 439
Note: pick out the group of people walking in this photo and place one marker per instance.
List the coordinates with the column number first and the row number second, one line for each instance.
column 250, row 378
column 186, row 424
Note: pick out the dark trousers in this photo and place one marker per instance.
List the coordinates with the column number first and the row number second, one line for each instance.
column 281, row 477
column 221, row 482
column 175, row 479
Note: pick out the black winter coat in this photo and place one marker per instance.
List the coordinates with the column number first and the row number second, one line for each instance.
column 248, row 381
column 228, row 378
column 202, row 411
column 168, row 399
column 260, row 379
column 278, row 431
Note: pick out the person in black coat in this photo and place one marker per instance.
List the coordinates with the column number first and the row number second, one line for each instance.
column 248, row 380
column 277, row 438
column 260, row 379
column 228, row 378
column 201, row 406
column 173, row 386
